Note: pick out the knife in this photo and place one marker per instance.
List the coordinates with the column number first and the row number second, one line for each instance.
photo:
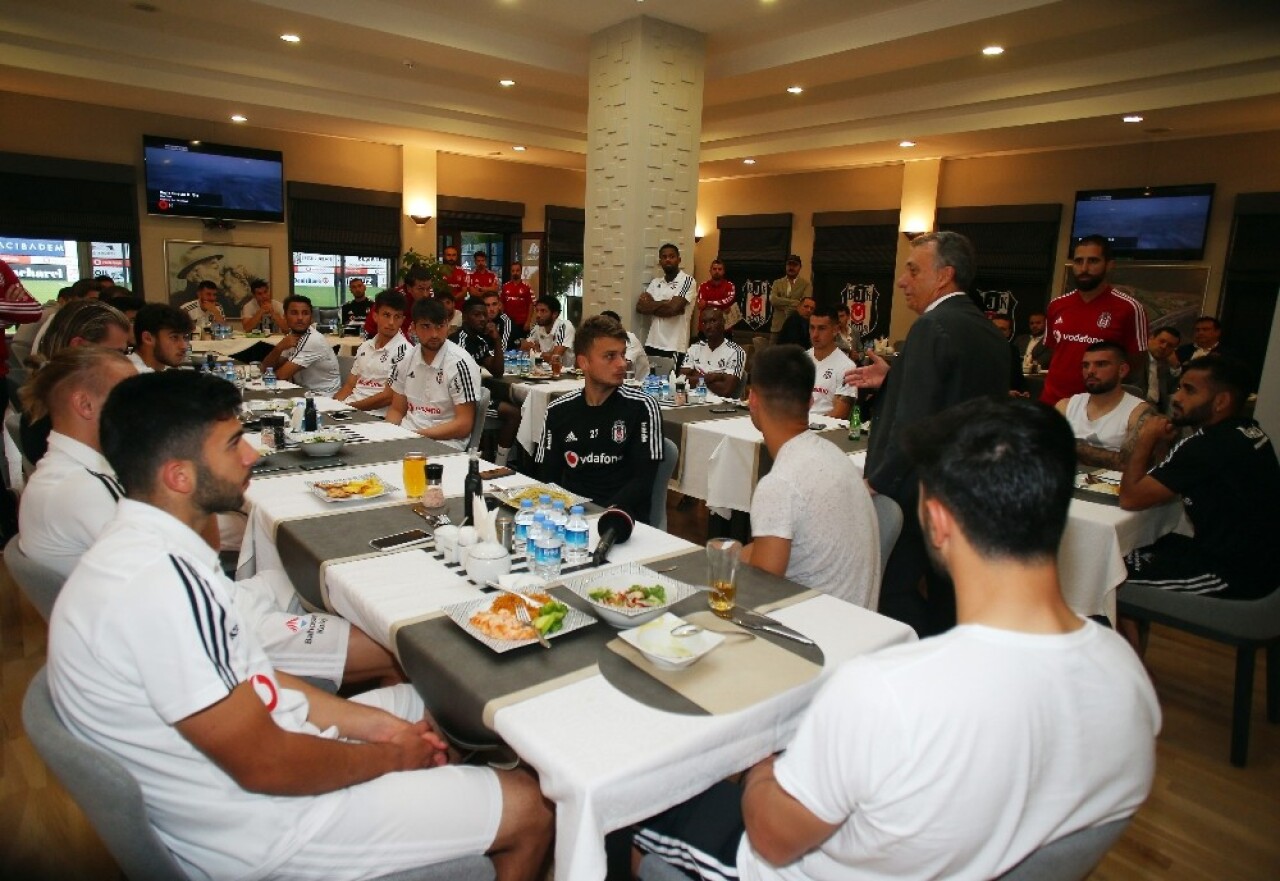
column 768, row 625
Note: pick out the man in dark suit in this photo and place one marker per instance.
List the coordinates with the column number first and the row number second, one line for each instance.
column 1156, row 378
column 952, row 354
column 1206, row 340
column 1030, row 345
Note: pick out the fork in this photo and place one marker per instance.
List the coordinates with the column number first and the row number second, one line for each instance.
column 522, row 615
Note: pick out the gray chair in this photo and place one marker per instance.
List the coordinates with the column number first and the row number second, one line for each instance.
column 40, row 583
column 889, row 515
column 1248, row 625
column 344, row 366
column 112, row 800
column 667, row 467
column 1070, row 858
column 477, row 425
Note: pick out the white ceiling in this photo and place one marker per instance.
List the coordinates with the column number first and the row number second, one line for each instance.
column 874, row 71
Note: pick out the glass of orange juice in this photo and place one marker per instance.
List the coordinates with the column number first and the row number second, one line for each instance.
column 415, row 474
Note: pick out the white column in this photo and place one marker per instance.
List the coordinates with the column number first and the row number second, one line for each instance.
column 919, row 208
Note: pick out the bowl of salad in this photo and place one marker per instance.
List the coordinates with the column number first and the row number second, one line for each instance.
column 320, row 443
column 630, row 594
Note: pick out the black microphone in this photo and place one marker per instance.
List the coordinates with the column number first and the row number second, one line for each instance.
column 615, row 527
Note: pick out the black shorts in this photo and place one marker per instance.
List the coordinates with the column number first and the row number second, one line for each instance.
column 1176, row 562
column 701, row 836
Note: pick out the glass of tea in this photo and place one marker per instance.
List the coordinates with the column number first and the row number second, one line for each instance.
column 415, row 474
column 723, row 555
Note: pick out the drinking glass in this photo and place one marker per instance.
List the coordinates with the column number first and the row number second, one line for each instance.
column 723, row 555
column 415, row 474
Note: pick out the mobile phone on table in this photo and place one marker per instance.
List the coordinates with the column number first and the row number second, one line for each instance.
column 406, row 539
column 494, row 473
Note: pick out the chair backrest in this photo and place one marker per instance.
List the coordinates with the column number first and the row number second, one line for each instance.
column 664, row 366
column 667, row 467
column 103, row 788
column 889, row 515
column 344, row 366
column 40, row 583
column 1069, row 858
column 477, row 426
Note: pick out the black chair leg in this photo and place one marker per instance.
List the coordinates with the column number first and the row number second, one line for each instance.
column 1273, row 682
column 1242, row 707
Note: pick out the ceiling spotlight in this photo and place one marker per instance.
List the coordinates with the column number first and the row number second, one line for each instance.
column 291, row 38
column 1133, row 117
column 748, row 162
column 993, row 50
column 506, row 84
column 796, row 90
column 238, row 118
column 906, row 143
column 519, row 148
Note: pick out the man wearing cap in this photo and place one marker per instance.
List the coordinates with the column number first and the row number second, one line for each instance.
column 787, row 292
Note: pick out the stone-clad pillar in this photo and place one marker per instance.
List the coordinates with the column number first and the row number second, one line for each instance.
column 643, row 128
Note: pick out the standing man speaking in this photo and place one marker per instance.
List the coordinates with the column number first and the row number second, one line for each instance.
column 665, row 299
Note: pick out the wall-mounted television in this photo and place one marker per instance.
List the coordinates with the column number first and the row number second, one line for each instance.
column 198, row 179
column 1147, row 223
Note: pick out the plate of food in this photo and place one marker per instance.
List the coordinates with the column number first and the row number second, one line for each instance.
column 1100, row 481
column 359, row 487
column 629, row 594
column 493, row 619
column 512, row 496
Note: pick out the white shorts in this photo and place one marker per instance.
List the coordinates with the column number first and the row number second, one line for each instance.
column 296, row 641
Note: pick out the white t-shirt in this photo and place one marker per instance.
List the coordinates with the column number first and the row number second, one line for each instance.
column 68, row 501
column 728, row 358
column 320, row 372
column 815, row 497
column 144, row 635
column 1107, row 431
column 560, row 334
column 373, row 367
column 433, row 390
column 957, row 756
column 251, row 308
column 136, row 360
column 671, row 333
column 828, row 381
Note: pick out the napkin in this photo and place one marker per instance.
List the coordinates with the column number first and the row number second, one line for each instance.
column 486, row 530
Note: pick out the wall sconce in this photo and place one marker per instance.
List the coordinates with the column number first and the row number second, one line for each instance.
column 420, row 219
column 912, row 236
column 696, row 238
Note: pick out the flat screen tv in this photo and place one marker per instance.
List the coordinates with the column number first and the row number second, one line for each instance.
column 199, row 179
column 1147, row 223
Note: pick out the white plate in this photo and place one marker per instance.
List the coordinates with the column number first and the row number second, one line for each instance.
column 316, row 487
column 667, row 652
column 621, row 577
column 461, row 614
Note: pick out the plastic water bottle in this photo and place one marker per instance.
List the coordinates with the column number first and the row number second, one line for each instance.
column 652, row 385
column 524, row 519
column 664, row 389
column 544, row 505
column 229, row 372
column 533, row 550
column 269, row 379
column 577, row 536
column 558, row 517
column 550, row 551
column 700, row 391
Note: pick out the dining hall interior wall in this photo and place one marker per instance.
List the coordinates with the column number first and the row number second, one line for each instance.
column 535, row 186
column 70, row 130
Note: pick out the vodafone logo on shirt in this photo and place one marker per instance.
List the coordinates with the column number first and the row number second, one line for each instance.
column 266, row 690
column 573, row 460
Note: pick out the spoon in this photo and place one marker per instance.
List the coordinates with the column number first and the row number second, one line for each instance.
column 683, row 631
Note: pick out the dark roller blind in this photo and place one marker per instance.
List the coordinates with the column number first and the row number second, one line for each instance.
column 566, row 229
column 754, row 249
column 46, row 198
column 480, row 215
column 853, row 263
column 343, row 220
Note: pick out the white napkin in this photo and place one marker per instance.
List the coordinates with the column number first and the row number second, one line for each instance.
column 484, row 520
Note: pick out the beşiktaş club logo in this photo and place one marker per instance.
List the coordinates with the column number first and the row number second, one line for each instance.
column 619, row 432
column 573, row 460
column 1104, row 320
column 863, row 301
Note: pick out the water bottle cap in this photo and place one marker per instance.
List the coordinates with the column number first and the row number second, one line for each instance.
column 577, row 509
column 544, row 499
column 558, row 504
column 526, row 503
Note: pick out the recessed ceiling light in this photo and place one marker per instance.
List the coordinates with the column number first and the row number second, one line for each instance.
column 796, row 90
column 291, row 38
column 1133, row 117
column 906, row 143
column 748, row 162
column 506, row 84
column 238, row 118
column 993, row 50
column 519, row 148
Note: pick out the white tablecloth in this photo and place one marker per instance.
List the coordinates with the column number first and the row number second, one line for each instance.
column 533, row 410
column 238, row 343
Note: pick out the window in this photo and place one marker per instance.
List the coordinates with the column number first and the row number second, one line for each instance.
column 48, row 265
column 324, row 277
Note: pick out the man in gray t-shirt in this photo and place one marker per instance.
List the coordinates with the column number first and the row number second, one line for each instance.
column 304, row 356
column 811, row 515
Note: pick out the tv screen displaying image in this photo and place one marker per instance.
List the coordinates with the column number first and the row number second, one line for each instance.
column 1147, row 223
column 198, row 179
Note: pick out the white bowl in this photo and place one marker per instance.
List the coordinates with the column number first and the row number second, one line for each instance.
column 621, row 577
column 667, row 652
column 488, row 561
column 447, row 542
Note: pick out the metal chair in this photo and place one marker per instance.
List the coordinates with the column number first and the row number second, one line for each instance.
column 1248, row 625
column 40, row 583
column 667, row 467
column 477, row 424
column 112, row 800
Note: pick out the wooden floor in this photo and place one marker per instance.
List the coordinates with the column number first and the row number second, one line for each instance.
column 1204, row 820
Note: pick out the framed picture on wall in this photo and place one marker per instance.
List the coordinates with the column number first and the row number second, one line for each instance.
column 231, row 267
column 1172, row 294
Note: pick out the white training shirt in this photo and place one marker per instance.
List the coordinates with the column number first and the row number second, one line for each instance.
column 560, row 334
column 68, row 501
column 251, row 308
column 136, row 360
column 200, row 318
column 728, row 358
column 320, row 372
column 828, row 381
column 957, row 756
column 671, row 333
column 144, row 635
column 373, row 367
column 434, row 390
column 815, row 497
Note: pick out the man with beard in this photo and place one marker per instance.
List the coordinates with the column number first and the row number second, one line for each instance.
column 479, row 337
column 482, row 279
column 1030, row 345
column 665, row 300
column 499, row 321
column 552, row 336
column 161, row 332
column 435, row 388
column 416, row 286
column 517, row 298
column 1093, row 313
column 152, row 660
column 1226, row 472
column 458, row 277
column 1104, row 417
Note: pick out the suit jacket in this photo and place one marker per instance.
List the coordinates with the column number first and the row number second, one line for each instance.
column 951, row 355
column 1041, row 354
column 794, row 330
column 785, row 297
column 1167, row 382
column 1186, row 351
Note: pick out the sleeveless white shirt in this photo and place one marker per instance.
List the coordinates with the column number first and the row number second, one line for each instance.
column 1109, row 430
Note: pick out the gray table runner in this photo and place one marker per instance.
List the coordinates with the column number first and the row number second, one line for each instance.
column 292, row 461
